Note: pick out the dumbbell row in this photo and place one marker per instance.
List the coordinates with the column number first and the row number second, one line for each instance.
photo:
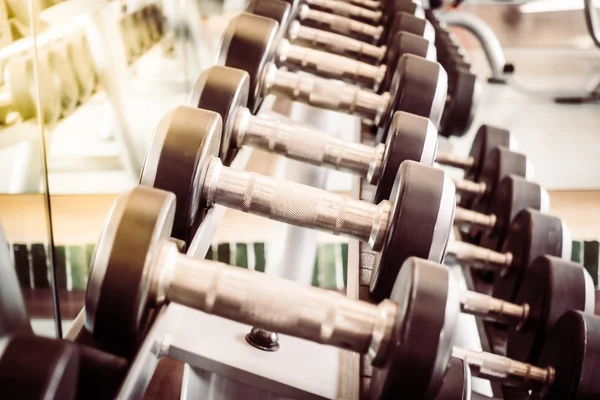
column 138, row 257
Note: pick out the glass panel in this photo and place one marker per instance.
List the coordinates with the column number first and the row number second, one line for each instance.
column 24, row 212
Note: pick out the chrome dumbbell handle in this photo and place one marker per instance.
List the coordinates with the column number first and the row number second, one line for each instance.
column 477, row 256
column 337, row 43
column 296, row 204
column 466, row 186
column 308, row 145
column 327, row 94
column 493, row 309
column 347, row 10
column 503, row 369
column 330, row 65
column 272, row 303
column 339, row 24
column 372, row 4
column 452, row 160
column 463, row 216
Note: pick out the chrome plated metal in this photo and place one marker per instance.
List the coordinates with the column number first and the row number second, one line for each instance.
column 327, row 94
column 347, row 10
column 296, row 204
column 341, row 24
column 452, row 160
column 463, row 216
column 463, row 185
column 493, row 309
column 478, row 257
column 307, row 144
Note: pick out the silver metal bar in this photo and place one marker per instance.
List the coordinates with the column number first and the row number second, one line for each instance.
column 336, row 43
column 330, row 65
column 474, row 219
column 296, row 204
column 463, row 185
column 452, row 160
column 347, row 10
column 309, row 145
column 503, row 369
column 327, row 94
column 340, row 24
column 493, row 309
column 476, row 256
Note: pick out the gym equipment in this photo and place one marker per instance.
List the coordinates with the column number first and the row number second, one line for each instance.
column 248, row 45
column 182, row 158
column 225, row 91
column 80, row 57
column 530, row 235
column 38, row 368
column 408, row 338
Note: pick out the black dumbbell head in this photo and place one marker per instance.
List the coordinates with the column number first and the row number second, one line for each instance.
column 409, row 7
column 457, row 381
column 405, row 22
column 486, row 139
column 38, row 368
column 419, row 87
column 119, row 284
column 531, row 234
column 100, row 374
column 419, row 350
column 249, row 43
column 460, row 110
column 294, row 8
column 551, row 286
column 419, row 224
column 405, row 43
column 499, row 163
column 184, row 141
column 277, row 10
column 512, row 195
column 223, row 90
column 410, row 137
column 573, row 350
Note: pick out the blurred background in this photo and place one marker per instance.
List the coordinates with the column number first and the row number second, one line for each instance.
column 84, row 82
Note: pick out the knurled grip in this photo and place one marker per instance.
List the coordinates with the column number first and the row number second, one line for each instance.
column 340, row 24
column 273, row 303
column 491, row 308
column 336, row 43
column 347, row 10
column 331, row 65
column 327, row 94
column 312, row 146
column 295, row 204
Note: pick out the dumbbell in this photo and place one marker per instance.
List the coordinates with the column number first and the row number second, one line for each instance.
column 248, row 45
column 423, row 346
column 530, row 235
column 38, row 368
column 136, row 265
column 461, row 101
column 182, row 158
column 225, row 91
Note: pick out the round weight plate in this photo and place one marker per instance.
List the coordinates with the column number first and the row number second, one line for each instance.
column 100, row 374
column 63, row 75
column 459, row 113
column 38, row 368
column 223, row 90
column 419, row 225
column 410, row 137
column 278, row 10
column 420, row 346
column 79, row 55
column 486, row 139
column 499, row 163
column 457, row 381
column 117, row 291
column 531, row 234
column 573, row 350
column 183, row 143
column 550, row 286
column 409, row 23
column 408, row 7
column 249, row 43
column 418, row 87
column 513, row 194
column 405, row 43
